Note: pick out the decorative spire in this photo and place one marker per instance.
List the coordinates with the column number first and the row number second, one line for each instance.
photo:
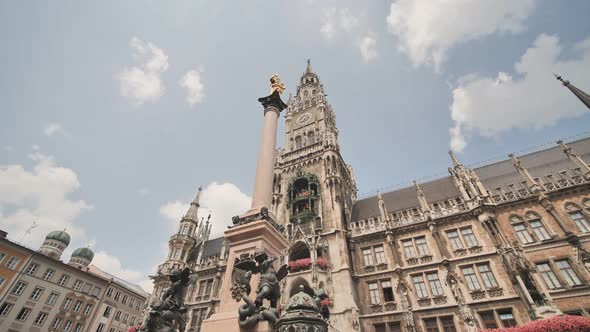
column 308, row 68
column 193, row 210
column 421, row 198
column 576, row 159
column 583, row 96
column 382, row 208
column 524, row 173
column 456, row 163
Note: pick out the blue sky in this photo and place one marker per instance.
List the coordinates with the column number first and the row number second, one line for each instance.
column 113, row 113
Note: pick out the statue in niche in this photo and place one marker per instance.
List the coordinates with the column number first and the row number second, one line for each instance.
column 168, row 313
column 251, row 312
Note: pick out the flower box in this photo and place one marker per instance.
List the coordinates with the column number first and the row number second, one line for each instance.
column 557, row 323
column 299, row 264
column 322, row 263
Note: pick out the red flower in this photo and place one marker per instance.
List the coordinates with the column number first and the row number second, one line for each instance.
column 322, row 263
column 325, row 302
column 299, row 264
column 558, row 323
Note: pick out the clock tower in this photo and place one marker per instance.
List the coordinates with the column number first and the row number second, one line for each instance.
column 313, row 192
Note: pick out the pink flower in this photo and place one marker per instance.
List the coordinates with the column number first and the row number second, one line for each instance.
column 325, row 302
column 299, row 264
column 554, row 324
column 322, row 263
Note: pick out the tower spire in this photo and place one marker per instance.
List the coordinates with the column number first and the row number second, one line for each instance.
column 456, row 163
column 308, row 68
column 524, row 174
column 421, row 198
column 193, row 210
column 583, row 96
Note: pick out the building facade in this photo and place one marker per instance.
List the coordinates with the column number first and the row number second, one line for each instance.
column 494, row 246
column 42, row 293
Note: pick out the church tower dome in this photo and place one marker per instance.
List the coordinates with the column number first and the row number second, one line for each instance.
column 81, row 257
column 55, row 243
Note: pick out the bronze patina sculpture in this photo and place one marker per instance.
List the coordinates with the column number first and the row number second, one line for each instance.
column 268, row 289
column 166, row 314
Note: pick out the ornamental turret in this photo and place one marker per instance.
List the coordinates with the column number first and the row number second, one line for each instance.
column 81, row 258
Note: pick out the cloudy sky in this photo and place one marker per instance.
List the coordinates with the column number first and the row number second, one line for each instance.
column 113, row 113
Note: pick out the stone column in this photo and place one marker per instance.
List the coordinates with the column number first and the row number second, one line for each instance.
column 262, row 194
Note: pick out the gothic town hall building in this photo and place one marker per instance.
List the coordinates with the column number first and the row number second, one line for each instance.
column 494, row 246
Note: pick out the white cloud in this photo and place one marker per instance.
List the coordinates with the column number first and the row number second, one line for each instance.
column 427, row 29
column 223, row 201
column 143, row 83
column 40, row 194
column 112, row 265
column 367, row 48
column 335, row 20
column 147, row 285
column 195, row 90
column 489, row 106
column 55, row 128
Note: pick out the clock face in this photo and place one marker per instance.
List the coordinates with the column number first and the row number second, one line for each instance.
column 304, row 118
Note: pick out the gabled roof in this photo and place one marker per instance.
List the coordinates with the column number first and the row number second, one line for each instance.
column 499, row 174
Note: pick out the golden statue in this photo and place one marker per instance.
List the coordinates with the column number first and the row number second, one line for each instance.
column 276, row 84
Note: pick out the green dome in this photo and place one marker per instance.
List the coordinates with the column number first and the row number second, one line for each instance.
column 302, row 300
column 60, row 236
column 84, row 253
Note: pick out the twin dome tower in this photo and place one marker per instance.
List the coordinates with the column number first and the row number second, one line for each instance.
column 57, row 241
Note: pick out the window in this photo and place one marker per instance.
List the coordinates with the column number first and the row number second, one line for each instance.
column 131, row 302
column 87, row 309
column 36, row 294
column 539, row 230
column 2, row 280
column 507, row 318
column 409, row 249
column 522, row 233
column 86, row 289
column 2, row 255
column 48, row 274
column 96, row 291
column 78, row 305
column 469, row 237
column 471, row 278
column 132, row 321
column 488, row 320
column 548, row 275
column 109, row 292
column 422, row 246
column 19, row 288
column 118, row 315
column 379, row 327
column 23, row 314
column 298, row 142
column 487, row 276
column 5, row 308
column 580, row 220
column 79, row 327
column 374, row 293
column 52, row 298
column 387, row 291
column 454, row 239
column 420, row 286
column 570, row 276
column 100, row 328
column 40, row 318
column 68, row 326
column 435, row 285
column 32, row 268
column 117, row 296
column 124, row 300
column 395, row 327
column 209, row 287
column 12, row 263
column 107, row 312
column 112, row 329
column 379, row 255
column 63, row 280
column 77, row 285
column 125, row 318
column 431, row 325
column 448, row 324
column 367, row 257
column 56, row 323
column 67, row 303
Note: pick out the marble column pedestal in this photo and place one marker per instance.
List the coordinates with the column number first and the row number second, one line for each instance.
column 244, row 239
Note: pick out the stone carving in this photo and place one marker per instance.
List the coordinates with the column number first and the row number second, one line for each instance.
column 262, row 215
column 452, row 280
column 165, row 314
column 250, row 313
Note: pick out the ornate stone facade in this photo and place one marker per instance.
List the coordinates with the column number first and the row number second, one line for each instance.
column 493, row 246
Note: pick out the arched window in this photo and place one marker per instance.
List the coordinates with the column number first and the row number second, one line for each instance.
column 296, row 285
column 311, row 137
column 298, row 142
column 535, row 223
column 521, row 230
column 578, row 216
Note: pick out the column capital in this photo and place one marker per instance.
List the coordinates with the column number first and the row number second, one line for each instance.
column 273, row 101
